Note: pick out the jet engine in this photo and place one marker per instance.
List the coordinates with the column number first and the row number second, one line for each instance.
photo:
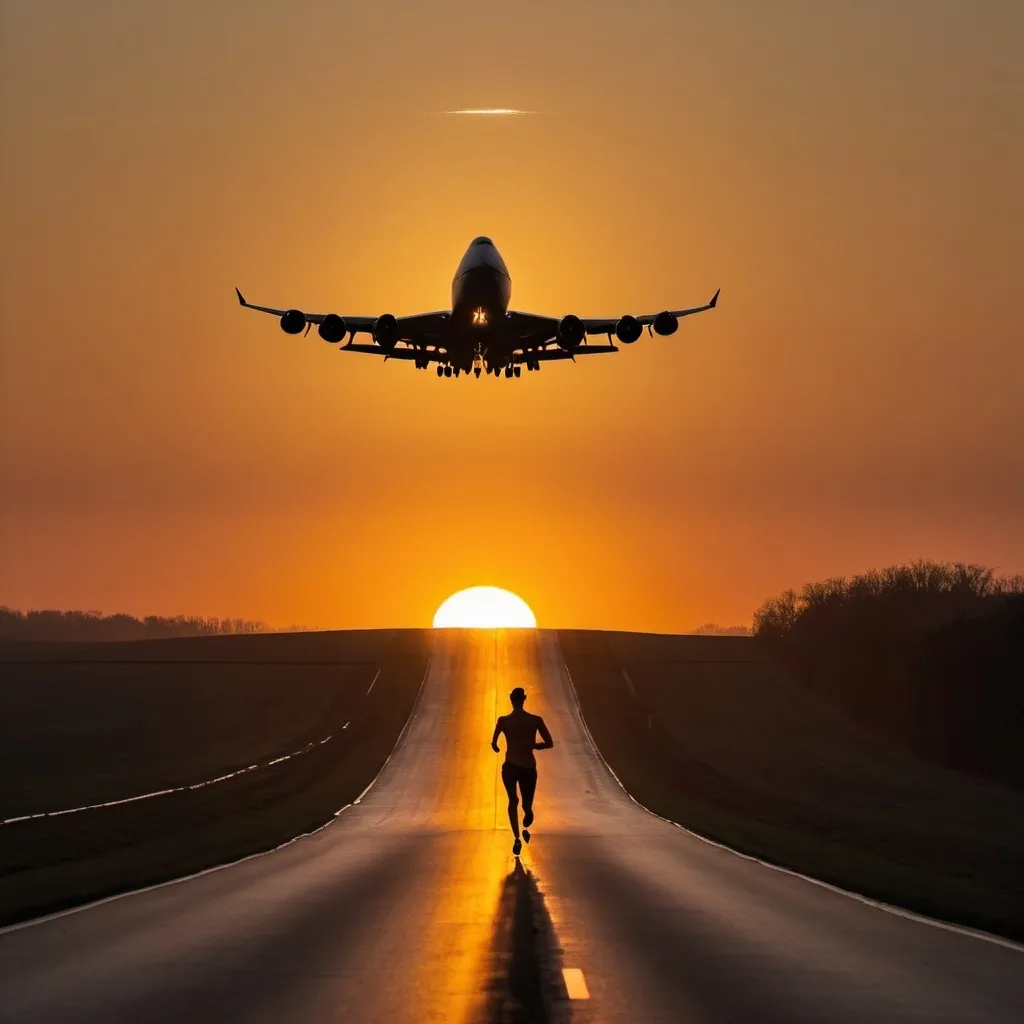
column 385, row 331
column 332, row 328
column 665, row 323
column 628, row 329
column 293, row 321
column 571, row 333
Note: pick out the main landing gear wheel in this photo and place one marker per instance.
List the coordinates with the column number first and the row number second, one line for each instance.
column 440, row 371
column 476, row 371
column 508, row 371
column 447, row 371
column 517, row 370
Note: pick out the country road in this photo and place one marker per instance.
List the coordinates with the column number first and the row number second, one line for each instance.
column 410, row 906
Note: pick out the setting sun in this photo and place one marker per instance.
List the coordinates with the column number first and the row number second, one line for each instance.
column 484, row 608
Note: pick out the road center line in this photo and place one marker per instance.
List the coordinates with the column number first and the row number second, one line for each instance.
column 575, row 983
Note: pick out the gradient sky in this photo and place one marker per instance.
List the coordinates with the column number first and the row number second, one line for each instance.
column 848, row 172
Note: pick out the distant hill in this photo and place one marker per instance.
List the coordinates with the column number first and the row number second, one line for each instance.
column 87, row 627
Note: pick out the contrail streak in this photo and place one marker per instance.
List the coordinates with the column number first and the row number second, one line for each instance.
column 487, row 112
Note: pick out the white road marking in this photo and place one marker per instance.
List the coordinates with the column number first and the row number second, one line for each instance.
column 398, row 742
column 375, row 678
column 164, row 792
column 575, row 983
column 629, row 682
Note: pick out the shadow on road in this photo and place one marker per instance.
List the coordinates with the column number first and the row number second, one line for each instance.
column 526, row 978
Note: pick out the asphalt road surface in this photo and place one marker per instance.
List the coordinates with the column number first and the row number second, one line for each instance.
column 410, row 907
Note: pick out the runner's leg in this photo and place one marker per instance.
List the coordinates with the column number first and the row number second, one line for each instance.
column 528, row 786
column 508, row 780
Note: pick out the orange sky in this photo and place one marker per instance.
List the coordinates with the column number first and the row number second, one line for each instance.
column 849, row 173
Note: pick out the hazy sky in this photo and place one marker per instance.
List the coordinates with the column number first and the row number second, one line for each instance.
column 848, row 172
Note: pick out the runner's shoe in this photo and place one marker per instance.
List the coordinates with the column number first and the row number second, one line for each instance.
column 528, row 819
column 517, row 848
column 526, row 835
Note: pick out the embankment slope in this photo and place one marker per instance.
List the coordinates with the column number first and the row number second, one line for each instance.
column 92, row 723
column 706, row 732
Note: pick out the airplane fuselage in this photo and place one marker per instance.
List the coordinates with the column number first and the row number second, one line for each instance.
column 481, row 292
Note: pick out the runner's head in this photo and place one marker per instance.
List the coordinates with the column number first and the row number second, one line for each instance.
column 518, row 697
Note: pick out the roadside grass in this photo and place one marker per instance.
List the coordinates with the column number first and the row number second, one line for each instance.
column 706, row 732
column 89, row 723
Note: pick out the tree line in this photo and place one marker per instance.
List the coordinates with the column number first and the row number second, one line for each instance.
column 714, row 629
column 929, row 654
column 94, row 626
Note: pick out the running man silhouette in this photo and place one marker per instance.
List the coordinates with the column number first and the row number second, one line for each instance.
column 520, row 768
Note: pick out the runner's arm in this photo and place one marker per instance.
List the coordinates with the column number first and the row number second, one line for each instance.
column 545, row 735
column 497, row 733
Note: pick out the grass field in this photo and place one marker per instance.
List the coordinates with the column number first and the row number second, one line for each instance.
column 699, row 729
column 83, row 724
column 707, row 733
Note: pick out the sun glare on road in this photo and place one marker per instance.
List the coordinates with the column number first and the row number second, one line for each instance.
column 484, row 608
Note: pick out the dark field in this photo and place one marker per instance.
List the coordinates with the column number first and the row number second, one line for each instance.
column 706, row 733
column 702, row 730
column 89, row 723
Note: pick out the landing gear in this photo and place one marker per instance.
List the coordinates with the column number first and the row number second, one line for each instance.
column 447, row 371
column 508, row 371
column 440, row 370
column 476, row 371
column 517, row 370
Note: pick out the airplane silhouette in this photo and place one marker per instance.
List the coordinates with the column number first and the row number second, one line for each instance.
column 479, row 332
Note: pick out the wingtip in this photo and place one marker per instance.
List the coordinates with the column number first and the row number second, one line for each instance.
column 714, row 299
column 241, row 299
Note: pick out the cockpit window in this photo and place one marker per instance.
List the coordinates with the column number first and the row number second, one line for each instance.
column 482, row 240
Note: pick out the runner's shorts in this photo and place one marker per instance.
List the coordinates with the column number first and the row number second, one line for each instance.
column 513, row 775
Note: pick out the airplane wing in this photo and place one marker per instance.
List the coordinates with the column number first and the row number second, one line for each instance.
column 540, row 355
column 437, row 354
column 535, row 331
column 420, row 329
column 355, row 324
column 598, row 325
